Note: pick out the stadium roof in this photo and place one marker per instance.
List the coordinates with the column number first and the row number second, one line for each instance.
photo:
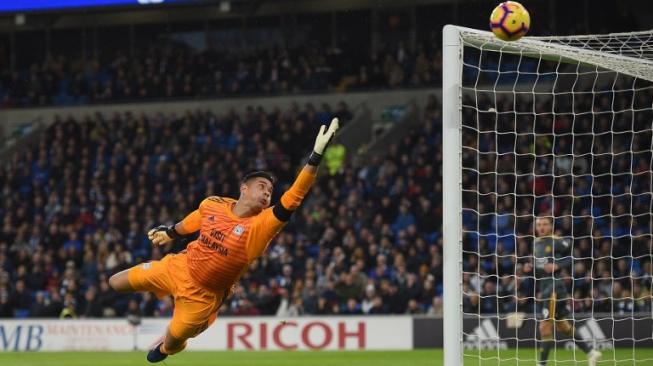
column 178, row 11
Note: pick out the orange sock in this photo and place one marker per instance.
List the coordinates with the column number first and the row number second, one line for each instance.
column 172, row 351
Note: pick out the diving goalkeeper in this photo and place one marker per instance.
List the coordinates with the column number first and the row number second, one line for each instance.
column 232, row 234
column 553, row 254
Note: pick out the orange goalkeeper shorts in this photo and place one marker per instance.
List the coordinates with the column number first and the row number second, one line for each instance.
column 195, row 308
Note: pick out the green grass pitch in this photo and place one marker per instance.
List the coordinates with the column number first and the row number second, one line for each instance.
column 349, row 358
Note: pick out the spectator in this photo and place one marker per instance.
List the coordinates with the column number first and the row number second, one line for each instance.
column 21, row 299
column 69, row 306
column 346, row 288
column 378, row 307
column 6, row 308
column 92, row 308
column 37, row 310
column 413, row 307
column 245, row 308
column 54, row 305
column 352, row 307
column 436, row 307
column 284, row 309
column 323, row 307
column 368, row 300
column 133, row 310
column 334, row 156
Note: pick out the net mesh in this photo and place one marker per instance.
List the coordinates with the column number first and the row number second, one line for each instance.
column 557, row 127
column 638, row 45
column 628, row 53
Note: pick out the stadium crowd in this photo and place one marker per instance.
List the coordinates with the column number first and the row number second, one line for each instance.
column 78, row 204
column 584, row 160
column 173, row 70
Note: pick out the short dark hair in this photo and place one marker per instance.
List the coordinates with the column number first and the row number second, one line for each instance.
column 258, row 174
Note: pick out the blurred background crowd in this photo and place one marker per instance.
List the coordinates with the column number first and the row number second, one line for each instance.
column 77, row 202
column 586, row 162
column 174, row 70
column 366, row 241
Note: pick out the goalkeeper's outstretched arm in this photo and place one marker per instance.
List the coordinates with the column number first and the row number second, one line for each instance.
column 272, row 220
column 293, row 197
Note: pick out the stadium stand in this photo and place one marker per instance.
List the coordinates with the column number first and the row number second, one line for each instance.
column 173, row 70
column 70, row 224
column 77, row 204
column 588, row 195
column 367, row 240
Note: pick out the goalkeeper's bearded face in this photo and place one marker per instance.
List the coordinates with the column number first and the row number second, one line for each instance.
column 257, row 193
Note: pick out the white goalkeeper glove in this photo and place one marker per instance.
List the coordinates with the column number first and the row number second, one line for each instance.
column 325, row 135
column 162, row 235
column 322, row 140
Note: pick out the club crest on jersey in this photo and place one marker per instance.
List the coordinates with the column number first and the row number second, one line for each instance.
column 238, row 230
column 211, row 218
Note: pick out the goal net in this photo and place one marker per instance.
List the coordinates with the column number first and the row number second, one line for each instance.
column 550, row 131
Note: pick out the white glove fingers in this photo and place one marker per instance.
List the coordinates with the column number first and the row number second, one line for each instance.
column 333, row 127
column 325, row 134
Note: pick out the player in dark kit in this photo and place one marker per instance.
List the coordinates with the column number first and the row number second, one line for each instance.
column 551, row 255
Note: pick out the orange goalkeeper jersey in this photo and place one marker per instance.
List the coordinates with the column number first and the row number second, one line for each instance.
column 228, row 243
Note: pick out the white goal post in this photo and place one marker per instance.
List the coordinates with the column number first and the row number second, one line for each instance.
column 452, row 52
column 577, row 112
